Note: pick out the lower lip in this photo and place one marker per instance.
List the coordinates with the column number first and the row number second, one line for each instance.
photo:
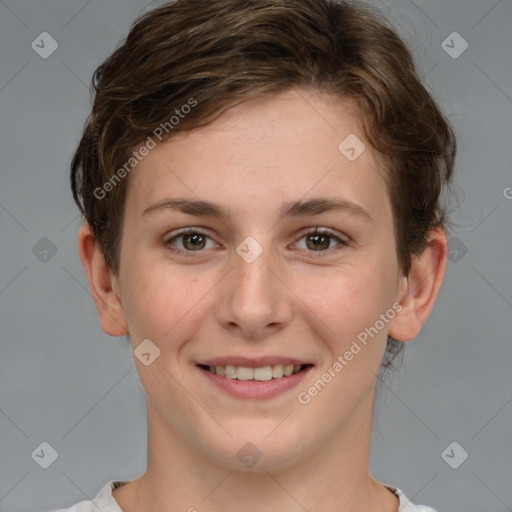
column 255, row 388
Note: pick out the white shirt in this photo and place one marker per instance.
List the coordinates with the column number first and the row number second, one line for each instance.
column 106, row 502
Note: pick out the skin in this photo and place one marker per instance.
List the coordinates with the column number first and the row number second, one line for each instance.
column 292, row 300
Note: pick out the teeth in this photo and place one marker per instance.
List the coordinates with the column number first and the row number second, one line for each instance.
column 243, row 373
column 277, row 371
column 263, row 373
column 230, row 372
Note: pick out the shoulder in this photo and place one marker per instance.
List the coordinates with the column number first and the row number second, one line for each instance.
column 405, row 504
column 104, row 501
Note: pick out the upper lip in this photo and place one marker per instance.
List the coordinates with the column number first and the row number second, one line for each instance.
column 252, row 362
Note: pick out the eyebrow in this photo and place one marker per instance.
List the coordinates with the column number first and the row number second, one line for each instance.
column 320, row 205
column 314, row 206
column 191, row 206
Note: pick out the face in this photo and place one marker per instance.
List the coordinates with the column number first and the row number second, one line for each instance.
column 254, row 242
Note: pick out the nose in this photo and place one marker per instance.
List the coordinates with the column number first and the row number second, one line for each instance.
column 253, row 301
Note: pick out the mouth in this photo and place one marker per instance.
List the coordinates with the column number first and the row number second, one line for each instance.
column 253, row 379
column 260, row 373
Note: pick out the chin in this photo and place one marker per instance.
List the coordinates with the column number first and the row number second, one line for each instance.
column 257, row 451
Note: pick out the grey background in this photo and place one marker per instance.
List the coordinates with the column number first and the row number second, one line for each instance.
column 64, row 382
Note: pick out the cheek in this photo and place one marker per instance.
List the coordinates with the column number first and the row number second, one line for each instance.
column 348, row 300
column 163, row 303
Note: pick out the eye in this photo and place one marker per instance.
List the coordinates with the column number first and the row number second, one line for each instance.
column 320, row 240
column 191, row 240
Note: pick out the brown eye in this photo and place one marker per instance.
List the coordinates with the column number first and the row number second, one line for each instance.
column 321, row 240
column 318, row 242
column 191, row 240
column 194, row 242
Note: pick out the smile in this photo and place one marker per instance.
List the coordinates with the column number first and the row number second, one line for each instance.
column 262, row 373
column 253, row 379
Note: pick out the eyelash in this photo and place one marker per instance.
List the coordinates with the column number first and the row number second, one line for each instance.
column 341, row 243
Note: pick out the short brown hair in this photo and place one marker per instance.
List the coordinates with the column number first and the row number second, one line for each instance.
column 220, row 52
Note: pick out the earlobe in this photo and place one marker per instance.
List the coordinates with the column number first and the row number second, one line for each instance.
column 102, row 284
column 420, row 287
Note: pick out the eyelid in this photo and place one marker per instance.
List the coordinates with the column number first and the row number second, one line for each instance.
column 317, row 230
column 185, row 231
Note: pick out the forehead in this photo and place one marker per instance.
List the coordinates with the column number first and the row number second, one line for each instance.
column 263, row 151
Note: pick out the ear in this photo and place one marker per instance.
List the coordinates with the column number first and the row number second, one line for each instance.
column 419, row 289
column 103, row 284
